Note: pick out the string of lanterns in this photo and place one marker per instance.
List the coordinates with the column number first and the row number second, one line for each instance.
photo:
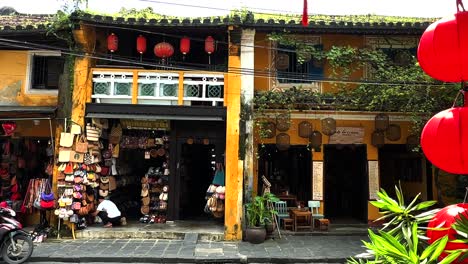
column 163, row 50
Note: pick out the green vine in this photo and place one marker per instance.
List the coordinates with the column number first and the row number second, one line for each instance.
column 392, row 86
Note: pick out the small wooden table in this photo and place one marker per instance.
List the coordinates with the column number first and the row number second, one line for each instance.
column 306, row 215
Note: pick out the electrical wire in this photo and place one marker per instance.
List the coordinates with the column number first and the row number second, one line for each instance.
column 232, row 70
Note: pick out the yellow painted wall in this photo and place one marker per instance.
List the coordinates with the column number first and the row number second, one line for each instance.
column 262, row 59
column 13, row 72
column 372, row 152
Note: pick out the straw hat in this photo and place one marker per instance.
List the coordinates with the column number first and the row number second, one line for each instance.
column 145, row 200
column 144, row 209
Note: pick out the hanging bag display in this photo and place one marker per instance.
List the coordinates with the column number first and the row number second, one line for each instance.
column 81, row 145
column 75, row 129
column 76, row 157
column 116, row 134
column 64, row 154
column 92, row 133
column 66, row 139
column 219, row 175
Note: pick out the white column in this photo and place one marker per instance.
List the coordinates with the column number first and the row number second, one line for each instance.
column 247, row 92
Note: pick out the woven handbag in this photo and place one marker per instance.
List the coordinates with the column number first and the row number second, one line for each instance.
column 81, row 145
column 116, row 134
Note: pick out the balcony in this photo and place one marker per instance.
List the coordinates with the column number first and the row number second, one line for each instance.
column 157, row 87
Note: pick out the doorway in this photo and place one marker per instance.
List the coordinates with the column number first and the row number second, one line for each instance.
column 196, row 170
column 346, row 183
column 289, row 171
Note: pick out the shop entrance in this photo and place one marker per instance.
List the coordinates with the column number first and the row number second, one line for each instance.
column 196, row 168
column 346, row 183
column 289, row 172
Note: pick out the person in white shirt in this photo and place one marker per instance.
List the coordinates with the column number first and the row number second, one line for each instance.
column 109, row 213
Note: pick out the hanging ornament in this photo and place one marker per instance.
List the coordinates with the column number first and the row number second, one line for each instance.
column 163, row 50
column 316, row 139
column 378, row 139
column 328, row 126
column 443, row 48
column 305, row 129
column 141, row 46
column 269, row 130
column 209, row 47
column 444, row 141
column 381, row 122
column 112, row 43
column 184, row 46
column 283, row 122
column 305, row 18
column 282, row 141
column 393, row 132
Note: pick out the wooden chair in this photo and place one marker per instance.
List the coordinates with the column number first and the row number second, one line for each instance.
column 282, row 208
column 288, row 223
column 314, row 208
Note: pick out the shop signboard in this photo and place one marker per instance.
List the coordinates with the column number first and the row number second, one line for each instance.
column 317, row 182
column 347, row 135
column 373, row 179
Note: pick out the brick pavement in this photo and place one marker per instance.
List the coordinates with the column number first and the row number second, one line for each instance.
column 289, row 249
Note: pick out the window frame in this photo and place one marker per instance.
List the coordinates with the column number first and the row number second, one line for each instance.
column 381, row 42
column 29, row 72
column 275, row 83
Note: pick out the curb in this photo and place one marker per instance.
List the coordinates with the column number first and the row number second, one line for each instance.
column 241, row 259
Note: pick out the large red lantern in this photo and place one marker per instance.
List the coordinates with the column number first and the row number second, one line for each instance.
column 441, row 225
column 443, row 48
column 163, row 50
column 184, row 45
column 112, row 42
column 141, row 44
column 209, row 45
column 444, row 140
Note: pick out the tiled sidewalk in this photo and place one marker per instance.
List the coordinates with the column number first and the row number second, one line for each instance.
column 289, row 249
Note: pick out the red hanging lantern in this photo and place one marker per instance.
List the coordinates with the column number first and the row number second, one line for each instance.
column 443, row 48
column 141, row 44
column 441, row 225
column 112, row 42
column 163, row 50
column 209, row 45
column 184, row 45
column 444, row 141
column 305, row 17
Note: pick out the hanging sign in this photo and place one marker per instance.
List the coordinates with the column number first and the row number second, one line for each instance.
column 373, row 179
column 347, row 135
column 317, row 182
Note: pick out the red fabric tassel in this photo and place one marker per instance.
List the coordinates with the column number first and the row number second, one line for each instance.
column 305, row 19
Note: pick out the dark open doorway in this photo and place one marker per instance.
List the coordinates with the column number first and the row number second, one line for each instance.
column 289, row 170
column 196, row 172
column 346, row 183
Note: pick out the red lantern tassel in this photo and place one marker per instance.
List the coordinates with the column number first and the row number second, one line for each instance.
column 305, row 19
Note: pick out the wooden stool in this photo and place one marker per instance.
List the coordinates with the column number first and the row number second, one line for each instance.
column 323, row 224
column 288, row 223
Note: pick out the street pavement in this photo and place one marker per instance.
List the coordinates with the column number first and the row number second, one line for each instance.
column 288, row 249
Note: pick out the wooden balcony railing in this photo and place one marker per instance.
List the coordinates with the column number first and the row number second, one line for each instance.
column 157, row 87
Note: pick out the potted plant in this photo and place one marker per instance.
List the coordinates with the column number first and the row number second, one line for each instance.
column 258, row 215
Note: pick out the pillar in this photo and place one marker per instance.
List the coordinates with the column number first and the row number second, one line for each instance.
column 247, row 92
column 234, row 177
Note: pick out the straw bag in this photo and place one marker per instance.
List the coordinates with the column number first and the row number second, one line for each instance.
column 64, row 154
column 75, row 129
column 76, row 157
column 92, row 133
column 116, row 134
column 81, row 145
column 66, row 139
